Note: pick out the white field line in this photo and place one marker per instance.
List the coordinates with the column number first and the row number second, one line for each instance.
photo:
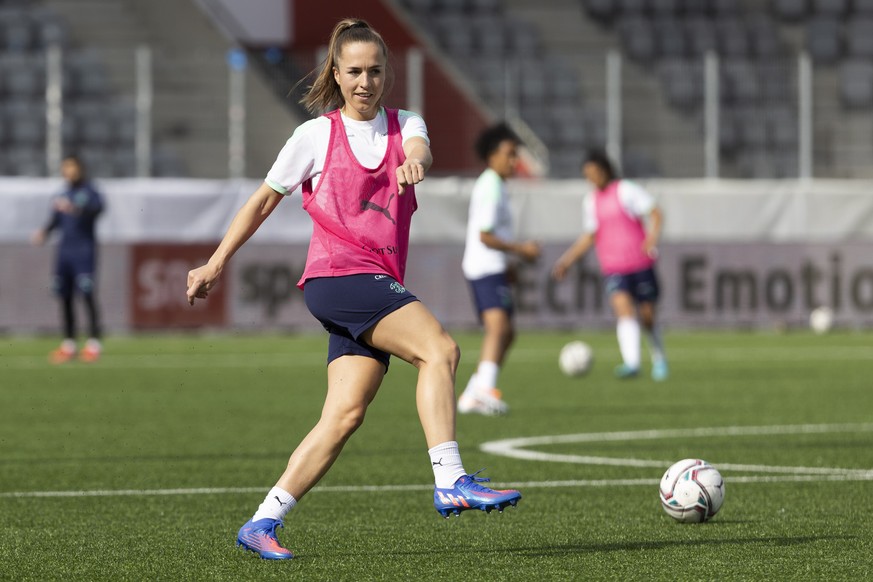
column 573, row 483
column 516, row 448
column 831, row 353
column 512, row 448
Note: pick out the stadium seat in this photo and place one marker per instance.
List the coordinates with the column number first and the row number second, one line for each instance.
column 601, row 10
column 859, row 37
column 856, row 83
column 700, row 32
column 638, row 39
column 782, row 127
column 830, row 8
column 722, row 8
column 665, row 8
column 764, row 37
column 790, row 10
column 733, row 37
column 683, row 82
column 25, row 161
column 824, row 40
column 862, row 7
column 633, row 8
column 670, row 38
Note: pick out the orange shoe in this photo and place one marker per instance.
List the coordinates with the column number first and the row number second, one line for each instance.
column 61, row 355
column 91, row 352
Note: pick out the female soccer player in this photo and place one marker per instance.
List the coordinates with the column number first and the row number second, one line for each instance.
column 75, row 214
column 489, row 241
column 357, row 165
column 615, row 214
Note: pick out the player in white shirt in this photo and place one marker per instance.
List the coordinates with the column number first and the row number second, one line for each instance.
column 487, row 269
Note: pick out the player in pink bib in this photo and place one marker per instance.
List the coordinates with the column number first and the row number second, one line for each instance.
column 357, row 166
column 615, row 223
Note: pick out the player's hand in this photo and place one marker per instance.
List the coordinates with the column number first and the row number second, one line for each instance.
column 650, row 247
column 409, row 174
column 200, row 281
column 559, row 271
column 529, row 250
column 64, row 205
column 38, row 237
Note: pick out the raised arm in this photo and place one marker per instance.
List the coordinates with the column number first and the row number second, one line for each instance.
column 246, row 222
column 418, row 162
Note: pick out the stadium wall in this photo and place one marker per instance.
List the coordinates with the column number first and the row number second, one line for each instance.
column 735, row 254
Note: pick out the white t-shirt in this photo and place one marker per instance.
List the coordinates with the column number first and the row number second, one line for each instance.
column 304, row 153
column 635, row 201
column 489, row 212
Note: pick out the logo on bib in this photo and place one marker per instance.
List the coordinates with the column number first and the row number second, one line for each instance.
column 397, row 287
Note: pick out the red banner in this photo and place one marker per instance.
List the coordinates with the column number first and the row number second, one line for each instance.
column 158, row 279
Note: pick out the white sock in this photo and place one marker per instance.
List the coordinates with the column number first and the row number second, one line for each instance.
column 628, row 332
column 69, row 346
column 486, row 375
column 94, row 344
column 446, row 463
column 276, row 504
column 471, row 385
column 656, row 345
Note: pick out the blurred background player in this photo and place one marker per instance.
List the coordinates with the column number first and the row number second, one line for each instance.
column 357, row 165
column 487, row 268
column 616, row 215
column 74, row 214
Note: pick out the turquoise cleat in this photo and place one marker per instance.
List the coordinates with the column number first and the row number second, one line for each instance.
column 660, row 371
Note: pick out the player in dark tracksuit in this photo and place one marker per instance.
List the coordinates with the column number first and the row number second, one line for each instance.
column 74, row 214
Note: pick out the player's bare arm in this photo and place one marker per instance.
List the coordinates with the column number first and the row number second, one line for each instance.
column 246, row 222
column 528, row 250
column 653, row 235
column 418, row 161
column 571, row 255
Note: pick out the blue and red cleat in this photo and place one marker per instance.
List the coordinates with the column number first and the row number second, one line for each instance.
column 260, row 537
column 467, row 493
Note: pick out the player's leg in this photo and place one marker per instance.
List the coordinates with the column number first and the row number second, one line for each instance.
column 660, row 369
column 493, row 298
column 628, row 333
column 85, row 285
column 352, row 383
column 63, row 287
column 413, row 334
column 481, row 394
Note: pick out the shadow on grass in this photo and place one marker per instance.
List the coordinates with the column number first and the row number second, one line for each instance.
column 552, row 550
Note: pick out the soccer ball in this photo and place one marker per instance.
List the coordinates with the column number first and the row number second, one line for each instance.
column 821, row 319
column 692, row 491
column 576, row 358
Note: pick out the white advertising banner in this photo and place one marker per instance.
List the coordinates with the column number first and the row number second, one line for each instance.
column 735, row 255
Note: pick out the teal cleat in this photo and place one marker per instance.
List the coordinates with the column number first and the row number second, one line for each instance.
column 625, row 372
column 660, row 371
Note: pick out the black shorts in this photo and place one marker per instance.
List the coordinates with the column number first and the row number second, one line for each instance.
column 642, row 285
column 491, row 291
column 348, row 306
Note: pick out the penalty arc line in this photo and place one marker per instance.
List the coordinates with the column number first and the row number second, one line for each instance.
column 516, row 447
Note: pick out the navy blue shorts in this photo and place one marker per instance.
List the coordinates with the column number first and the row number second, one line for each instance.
column 74, row 273
column 642, row 285
column 350, row 305
column 492, row 292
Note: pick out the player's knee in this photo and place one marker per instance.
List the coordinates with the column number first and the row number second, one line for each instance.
column 346, row 421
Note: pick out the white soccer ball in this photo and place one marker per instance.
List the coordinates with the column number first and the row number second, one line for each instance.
column 576, row 358
column 692, row 491
column 821, row 319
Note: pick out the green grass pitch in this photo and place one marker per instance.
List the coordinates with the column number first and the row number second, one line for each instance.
column 172, row 442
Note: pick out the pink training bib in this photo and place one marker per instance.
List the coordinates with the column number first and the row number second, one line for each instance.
column 619, row 236
column 360, row 224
